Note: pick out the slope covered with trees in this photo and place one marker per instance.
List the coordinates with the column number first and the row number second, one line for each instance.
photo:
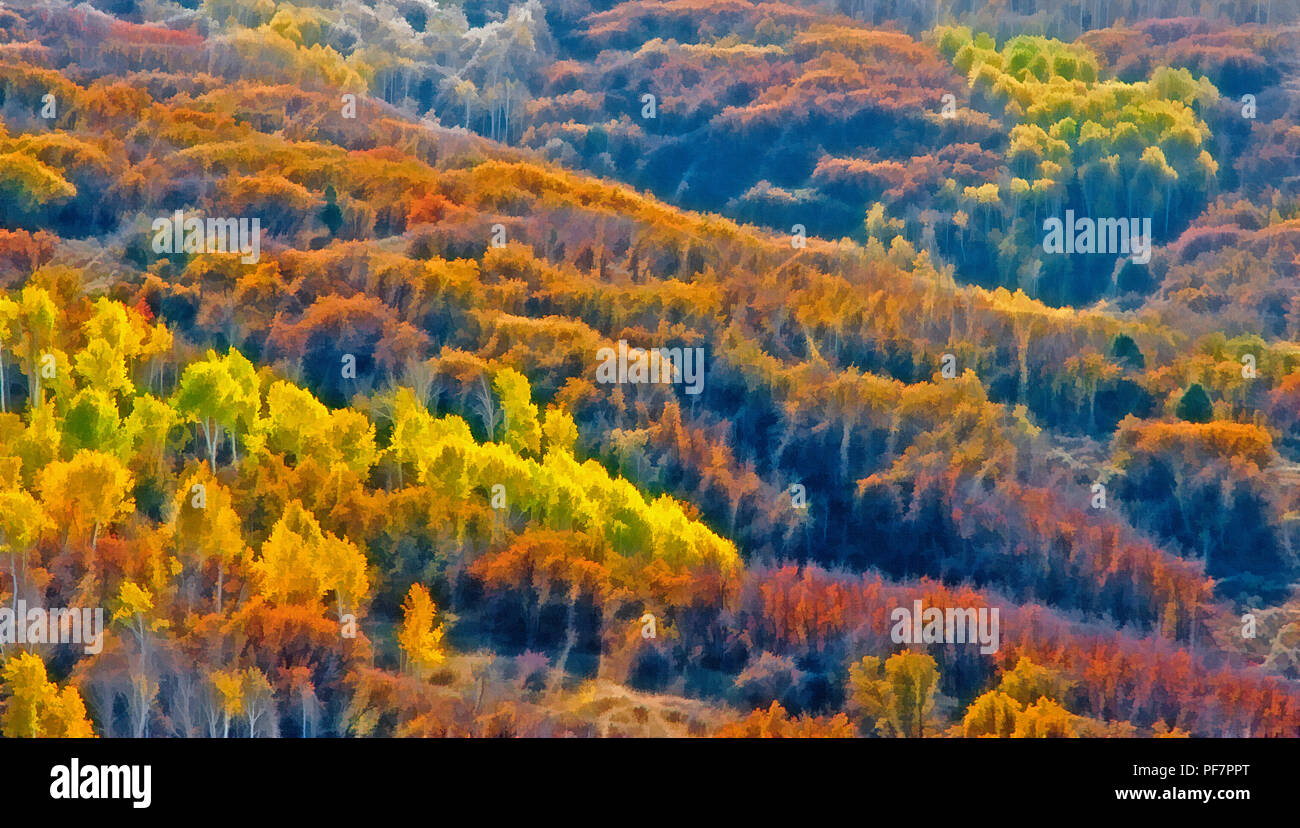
column 373, row 483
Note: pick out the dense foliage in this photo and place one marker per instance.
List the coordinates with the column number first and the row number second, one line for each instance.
column 373, row 484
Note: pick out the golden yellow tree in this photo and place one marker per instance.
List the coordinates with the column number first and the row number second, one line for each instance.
column 992, row 714
column 229, row 687
column 36, row 707
column 300, row 563
column 420, row 640
column 901, row 700
column 206, row 527
column 1045, row 719
column 87, row 492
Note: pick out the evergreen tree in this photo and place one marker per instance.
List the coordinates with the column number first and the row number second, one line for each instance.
column 331, row 216
column 1195, row 406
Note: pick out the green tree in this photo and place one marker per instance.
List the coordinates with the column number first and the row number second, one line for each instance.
column 1195, row 405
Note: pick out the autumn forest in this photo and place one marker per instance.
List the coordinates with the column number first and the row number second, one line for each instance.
column 660, row 368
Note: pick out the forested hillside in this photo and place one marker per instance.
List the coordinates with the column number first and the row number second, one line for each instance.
column 370, row 476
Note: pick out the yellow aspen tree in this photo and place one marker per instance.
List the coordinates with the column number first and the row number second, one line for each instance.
column 1045, row 719
column 229, row 685
column 902, row 698
column 9, row 332
column 286, row 570
column 87, row 492
column 102, row 367
column 522, row 431
column 22, row 520
column 992, row 714
column 36, row 707
column 37, row 316
column 340, row 567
